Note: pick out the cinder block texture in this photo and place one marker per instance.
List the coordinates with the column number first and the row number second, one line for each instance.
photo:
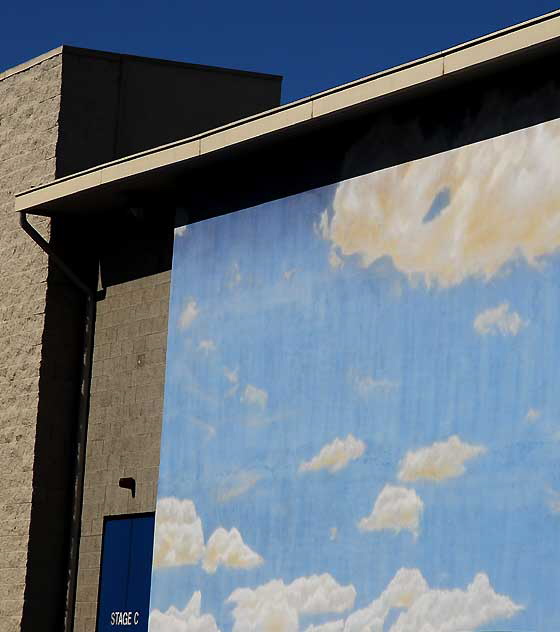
column 29, row 112
column 64, row 112
column 127, row 386
column 41, row 331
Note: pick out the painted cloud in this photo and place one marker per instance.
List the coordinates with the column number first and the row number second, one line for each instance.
column 335, row 456
column 366, row 384
column 396, row 509
column 189, row 313
column 226, row 548
column 405, row 588
column 427, row 609
column 554, row 501
column 456, row 610
column 331, row 626
column 255, row 396
column 208, row 429
column 275, row 606
column 438, row 462
column 335, row 260
column 178, row 538
column 442, row 218
column 187, row 620
column 234, row 275
column 499, row 320
column 237, row 485
column 207, row 346
column 232, row 376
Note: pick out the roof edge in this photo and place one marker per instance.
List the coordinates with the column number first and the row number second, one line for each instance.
column 14, row 70
column 93, row 52
column 491, row 47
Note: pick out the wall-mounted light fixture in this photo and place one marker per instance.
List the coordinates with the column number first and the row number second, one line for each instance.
column 128, row 483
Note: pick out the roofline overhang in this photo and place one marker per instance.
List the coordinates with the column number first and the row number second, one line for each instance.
column 496, row 48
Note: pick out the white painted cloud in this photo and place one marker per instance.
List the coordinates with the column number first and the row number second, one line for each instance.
column 178, row 538
column 335, row 456
column 499, row 320
column 456, row 610
column 226, row 548
column 532, row 415
column 187, row 620
column 335, row 260
column 180, row 231
column 366, row 385
column 396, row 509
column 459, row 214
column 207, row 346
column 288, row 274
column 234, row 275
column 232, row 375
column 237, row 485
column 406, row 587
column 331, row 626
column 189, row 313
column 276, row 607
column 320, row 594
column 430, row 610
column 207, row 428
column 232, row 390
column 255, row 396
column 554, row 501
column 438, row 462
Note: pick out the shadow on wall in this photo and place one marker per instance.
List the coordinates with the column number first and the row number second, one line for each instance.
column 54, row 459
column 464, row 110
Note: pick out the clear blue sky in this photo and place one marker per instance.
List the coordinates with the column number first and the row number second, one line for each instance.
column 315, row 45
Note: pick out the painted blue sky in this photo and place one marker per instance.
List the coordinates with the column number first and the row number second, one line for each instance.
column 362, row 380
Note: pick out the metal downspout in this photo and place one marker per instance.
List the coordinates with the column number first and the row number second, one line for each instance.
column 81, row 431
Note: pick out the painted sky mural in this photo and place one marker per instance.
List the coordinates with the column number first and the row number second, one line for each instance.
column 362, row 405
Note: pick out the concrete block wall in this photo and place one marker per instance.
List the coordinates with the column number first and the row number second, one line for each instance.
column 125, row 419
column 61, row 113
column 127, row 385
column 29, row 112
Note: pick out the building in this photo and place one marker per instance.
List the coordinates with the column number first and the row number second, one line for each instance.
column 63, row 112
column 84, row 333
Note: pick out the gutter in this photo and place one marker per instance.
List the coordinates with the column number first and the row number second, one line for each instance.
column 82, row 422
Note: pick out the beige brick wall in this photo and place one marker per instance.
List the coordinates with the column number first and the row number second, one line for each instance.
column 29, row 112
column 125, row 419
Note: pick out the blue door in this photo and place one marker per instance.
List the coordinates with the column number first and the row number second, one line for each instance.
column 126, row 568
